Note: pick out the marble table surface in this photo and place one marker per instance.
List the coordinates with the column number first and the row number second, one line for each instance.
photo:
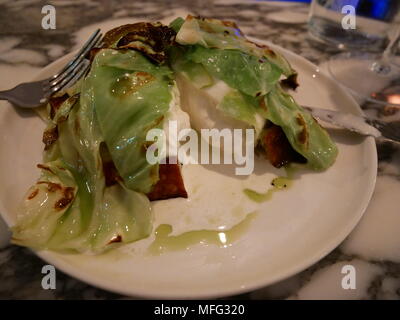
column 373, row 248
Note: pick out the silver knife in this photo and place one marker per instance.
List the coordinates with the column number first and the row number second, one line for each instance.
column 362, row 125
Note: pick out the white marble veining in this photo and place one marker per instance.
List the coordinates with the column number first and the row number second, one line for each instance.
column 326, row 283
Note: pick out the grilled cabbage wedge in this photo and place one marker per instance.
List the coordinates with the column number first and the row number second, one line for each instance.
column 91, row 195
column 96, row 184
column 226, row 78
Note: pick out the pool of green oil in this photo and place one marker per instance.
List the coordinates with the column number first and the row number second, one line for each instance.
column 165, row 242
column 278, row 184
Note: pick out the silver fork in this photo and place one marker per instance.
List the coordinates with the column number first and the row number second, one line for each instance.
column 34, row 94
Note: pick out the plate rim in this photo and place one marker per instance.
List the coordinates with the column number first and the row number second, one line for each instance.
column 108, row 285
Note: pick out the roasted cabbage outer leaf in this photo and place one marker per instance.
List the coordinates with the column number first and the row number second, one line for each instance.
column 111, row 106
column 151, row 39
column 44, row 205
column 237, row 69
column 131, row 96
column 225, row 35
column 304, row 133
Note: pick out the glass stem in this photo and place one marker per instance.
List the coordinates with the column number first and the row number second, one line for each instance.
column 390, row 50
column 384, row 65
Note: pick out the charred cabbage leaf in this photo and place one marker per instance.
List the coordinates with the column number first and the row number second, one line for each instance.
column 131, row 96
column 304, row 133
column 151, row 39
column 251, row 75
column 71, row 208
column 225, row 35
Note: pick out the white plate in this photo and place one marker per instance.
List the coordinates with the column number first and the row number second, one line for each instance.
column 292, row 231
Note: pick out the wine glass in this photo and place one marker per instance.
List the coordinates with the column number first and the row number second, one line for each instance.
column 370, row 76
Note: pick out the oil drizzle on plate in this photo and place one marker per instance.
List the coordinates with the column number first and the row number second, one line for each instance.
column 278, row 184
column 165, row 242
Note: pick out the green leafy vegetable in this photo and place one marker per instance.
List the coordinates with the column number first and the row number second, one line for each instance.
column 253, row 72
column 131, row 96
column 128, row 91
column 243, row 108
column 177, row 24
column 45, row 203
column 239, row 70
column 225, row 35
column 304, row 133
column 111, row 106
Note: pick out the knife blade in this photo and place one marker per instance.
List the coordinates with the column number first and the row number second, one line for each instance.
column 359, row 124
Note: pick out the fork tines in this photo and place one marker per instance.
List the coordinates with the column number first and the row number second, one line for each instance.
column 74, row 69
